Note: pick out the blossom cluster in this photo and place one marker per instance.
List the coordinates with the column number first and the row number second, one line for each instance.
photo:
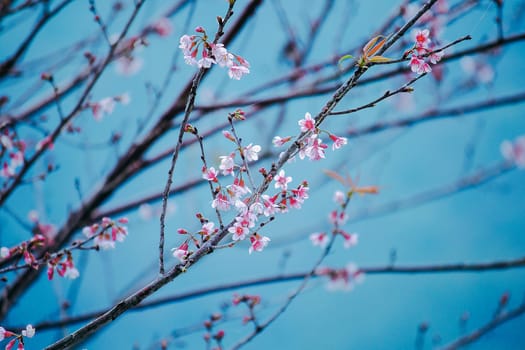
column 211, row 53
column 29, row 332
column 422, row 52
column 64, row 266
column 341, row 279
column 251, row 301
column 312, row 146
column 25, row 250
column 107, row 232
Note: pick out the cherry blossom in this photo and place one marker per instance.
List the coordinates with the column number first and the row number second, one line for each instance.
column 29, row 332
column 210, row 174
column 282, row 181
column 279, row 141
column 7, row 171
column 350, row 239
column 514, row 151
column 239, row 231
column 339, row 197
column 258, row 243
column 103, row 107
column 237, row 71
column 163, row 27
column 308, row 123
column 251, row 152
column 337, row 218
column 421, row 37
column 208, row 229
column 181, row 253
column 205, row 61
column 128, row 65
column 319, row 239
column 221, row 202
column 338, row 141
column 222, row 56
column 46, row 142
column 315, row 148
column 238, row 189
column 227, row 165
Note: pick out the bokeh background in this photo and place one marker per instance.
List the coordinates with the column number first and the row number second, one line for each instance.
column 410, row 218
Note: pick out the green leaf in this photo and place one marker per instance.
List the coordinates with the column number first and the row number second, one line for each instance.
column 344, row 58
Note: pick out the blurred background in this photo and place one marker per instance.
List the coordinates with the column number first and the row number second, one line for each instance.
column 447, row 194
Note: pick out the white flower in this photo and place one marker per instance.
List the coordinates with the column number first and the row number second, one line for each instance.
column 29, row 332
column 236, row 72
column 251, row 152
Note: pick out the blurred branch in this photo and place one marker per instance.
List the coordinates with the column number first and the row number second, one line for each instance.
column 380, row 270
column 493, row 324
column 8, row 64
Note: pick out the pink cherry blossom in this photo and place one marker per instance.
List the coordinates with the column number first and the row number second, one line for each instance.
column 205, row 61
column 308, row 123
column 301, row 192
column 163, row 27
column 421, row 37
column 339, row 197
column 46, row 142
column 238, row 189
column 7, row 171
column 181, row 253
column 279, row 141
column 186, row 44
column 319, row 239
column 239, row 231
column 351, row 239
column 210, row 174
column 338, row 142
column 222, row 56
column 270, row 207
column 103, row 107
column 435, row 57
column 282, row 181
column 227, row 165
column 315, row 149
column 237, row 71
column 251, row 152
column 221, row 202
column 208, row 229
column 128, row 65
column 337, row 218
column 514, row 151
column 258, row 243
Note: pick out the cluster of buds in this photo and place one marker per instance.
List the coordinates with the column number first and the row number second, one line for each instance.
column 26, row 250
column 107, row 232
column 251, row 301
column 217, row 336
column 422, row 50
column 29, row 332
column 211, row 53
column 64, row 267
